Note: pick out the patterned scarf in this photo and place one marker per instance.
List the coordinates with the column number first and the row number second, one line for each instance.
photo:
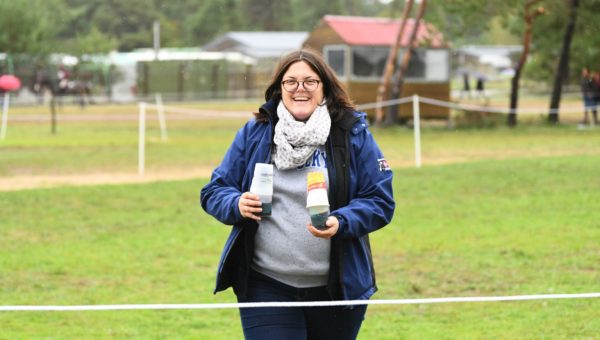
column 296, row 141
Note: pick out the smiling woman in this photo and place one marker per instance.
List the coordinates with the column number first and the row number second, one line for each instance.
column 303, row 100
column 307, row 126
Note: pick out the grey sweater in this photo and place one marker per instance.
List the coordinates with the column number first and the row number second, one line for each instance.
column 284, row 248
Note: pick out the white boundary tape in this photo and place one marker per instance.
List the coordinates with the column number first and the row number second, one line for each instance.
column 202, row 113
column 386, row 103
column 398, row 101
column 415, row 99
column 301, row 304
column 471, row 107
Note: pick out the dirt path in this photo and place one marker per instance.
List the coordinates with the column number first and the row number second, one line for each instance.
column 128, row 117
column 14, row 183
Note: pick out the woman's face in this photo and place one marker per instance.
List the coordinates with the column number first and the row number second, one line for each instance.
column 300, row 102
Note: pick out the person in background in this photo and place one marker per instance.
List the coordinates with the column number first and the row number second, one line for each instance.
column 308, row 123
column 466, row 90
column 588, row 91
column 596, row 95
column 62, row 76
column 480, row 86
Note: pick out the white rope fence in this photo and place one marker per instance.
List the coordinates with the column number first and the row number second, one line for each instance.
column 301, row 304
column 5, row 105
column 404, row 100
column 415, row 99
column 161, row 110
column 472, row 107
column 385, row 103
column 213, row 114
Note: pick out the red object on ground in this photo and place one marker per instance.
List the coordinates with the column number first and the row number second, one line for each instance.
column 9, row 82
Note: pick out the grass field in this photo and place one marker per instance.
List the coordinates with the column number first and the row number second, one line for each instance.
column 111, row 145
column 492, row 212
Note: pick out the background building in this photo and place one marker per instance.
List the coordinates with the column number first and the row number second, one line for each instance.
column 357, row 49
column 265, row 47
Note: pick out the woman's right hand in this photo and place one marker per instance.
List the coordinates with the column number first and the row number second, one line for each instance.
column 250, row 206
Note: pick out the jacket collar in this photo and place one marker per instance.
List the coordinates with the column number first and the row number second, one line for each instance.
column 270, row 109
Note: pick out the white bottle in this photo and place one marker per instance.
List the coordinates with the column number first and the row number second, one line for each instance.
column 317, row 201
column 262, row 185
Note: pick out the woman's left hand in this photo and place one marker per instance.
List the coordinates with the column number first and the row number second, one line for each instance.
column 332, row 225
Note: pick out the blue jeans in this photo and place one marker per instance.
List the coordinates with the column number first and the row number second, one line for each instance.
column 589, row 102
column 296, row 323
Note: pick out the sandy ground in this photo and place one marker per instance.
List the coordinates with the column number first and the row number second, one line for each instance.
column 24, row 182
column 193, row 115
column 14, row 183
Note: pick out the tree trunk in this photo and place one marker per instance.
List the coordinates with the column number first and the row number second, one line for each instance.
column 390, row 64
column 514, row 91
column 392, row 112
column 514, row 97
column 563, row 65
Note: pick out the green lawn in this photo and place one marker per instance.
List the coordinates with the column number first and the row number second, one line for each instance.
column 515, row 225
column 492, row 212
column 112, row 146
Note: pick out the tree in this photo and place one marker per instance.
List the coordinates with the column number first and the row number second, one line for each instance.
column 25, row 26
column 549, row 31
column 267, row 15
column 212, row 18
column 128, row 23
column 392, row 112
column 461, row 20
column 563, row 63
column 382, row 90
column 91, row 42
column 529, row 16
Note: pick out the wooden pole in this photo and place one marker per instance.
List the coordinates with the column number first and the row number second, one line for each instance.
column 390, row 64
column 514, row 93
column 399, row 76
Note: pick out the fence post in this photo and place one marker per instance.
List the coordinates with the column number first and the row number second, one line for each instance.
column 142, row 139
column 4, row 114
column 417, row 129
column 160, row 110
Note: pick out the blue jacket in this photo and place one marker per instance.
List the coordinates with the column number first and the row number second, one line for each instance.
column 369, row 204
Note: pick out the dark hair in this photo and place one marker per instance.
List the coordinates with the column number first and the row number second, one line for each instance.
column 334, row 93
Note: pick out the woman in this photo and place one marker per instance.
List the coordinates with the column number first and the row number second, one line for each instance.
column 308, row 123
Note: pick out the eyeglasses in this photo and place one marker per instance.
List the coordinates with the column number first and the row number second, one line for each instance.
column 291, row 85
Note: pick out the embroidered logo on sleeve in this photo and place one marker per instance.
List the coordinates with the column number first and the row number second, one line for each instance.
column 383, row 165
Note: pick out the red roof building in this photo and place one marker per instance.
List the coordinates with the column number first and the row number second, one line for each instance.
column 382, row 31
column 357, row 49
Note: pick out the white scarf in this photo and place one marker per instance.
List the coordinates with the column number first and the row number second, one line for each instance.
column 296, row 141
